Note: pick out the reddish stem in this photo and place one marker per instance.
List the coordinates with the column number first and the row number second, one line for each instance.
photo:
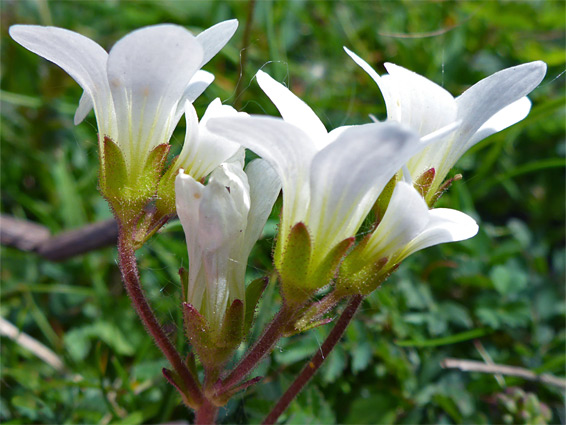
column 206, row 413
column 130, row 275
column 263, row 346
column 310, row 369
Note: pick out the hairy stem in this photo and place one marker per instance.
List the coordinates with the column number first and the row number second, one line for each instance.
column 310, row 369
column 206, row 413
column 130, row 276
column 262, row 347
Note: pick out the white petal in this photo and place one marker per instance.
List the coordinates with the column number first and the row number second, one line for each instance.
column 445, row 225
column 289, row 151
column 438, row 146
column 85, row 106
column 190, row 153
column 365, row 66
column 415, row 101
column 215, row 38
column 348, row 176
column 336, row 133
column 223, row 224
column 149, row 70
column 409, row 226
column 224, row 208
column 80, row 57
column 264, row 190
column 292, row 109
column 188, row 196
column 484, row 99
column 406, row 216
column 198, row 84
column 506, row 117
column 203, row 150
column 200, row 81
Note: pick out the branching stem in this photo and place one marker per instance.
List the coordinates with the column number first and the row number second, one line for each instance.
column 261, row 348
column 130, row 275
column 310, row 369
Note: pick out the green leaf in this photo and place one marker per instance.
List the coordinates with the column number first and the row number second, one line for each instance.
column 377, row 409
column 334, row 365
column 361, row 356
column 253, row 293
column 508, row 280
column 447, row 340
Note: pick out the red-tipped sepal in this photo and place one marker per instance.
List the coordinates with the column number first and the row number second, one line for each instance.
column 424, row 181
column 177, row 382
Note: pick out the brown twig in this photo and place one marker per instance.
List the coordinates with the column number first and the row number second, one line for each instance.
column 32, row 237
column 475, row 366
column 30, row 344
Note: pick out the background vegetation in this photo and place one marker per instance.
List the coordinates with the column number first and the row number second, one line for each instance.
column 498, row 297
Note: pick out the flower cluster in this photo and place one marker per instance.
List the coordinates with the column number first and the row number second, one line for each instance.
column 385, row 174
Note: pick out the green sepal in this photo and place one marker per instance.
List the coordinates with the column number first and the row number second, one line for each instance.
column 192, row 365
column 184, row 275
column 154, row 165
column 231, row 334
column 130, row 191
column 364, row 281
column 356, row 275
column 327, row 270
column 298, row 279
column 113, row 171
column 198, row 333
column 254, row 291
column 315, row 311
column 144, row 190
column 423, row 183
column 295, row 262
column 303, row 327
column 382, row 202
column 214, row 346
column 165, row 202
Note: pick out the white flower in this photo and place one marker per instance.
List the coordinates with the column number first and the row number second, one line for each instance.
column 409, row 226
column 138, row 90
column 330, row 180
column 222, row 221
column 489, row 106
column 203, row 150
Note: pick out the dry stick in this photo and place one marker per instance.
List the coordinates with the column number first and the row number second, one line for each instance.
column 475, row 366
column 29, row 236
column 310, row 369
column 32, row 345
column 75, row 242
column 130, row 275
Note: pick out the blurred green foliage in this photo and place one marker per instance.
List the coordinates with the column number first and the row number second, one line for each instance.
column 498, row 297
